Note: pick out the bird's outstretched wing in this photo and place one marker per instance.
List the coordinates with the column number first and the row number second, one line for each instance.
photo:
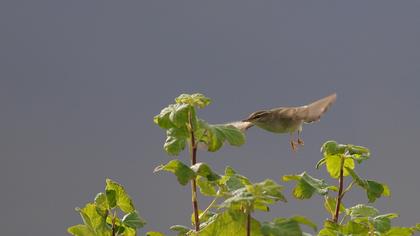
column 313, row 112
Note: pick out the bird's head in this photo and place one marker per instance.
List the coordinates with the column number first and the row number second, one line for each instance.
column 256, row 116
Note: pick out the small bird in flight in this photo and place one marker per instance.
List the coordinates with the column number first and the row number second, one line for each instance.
column 288, row 119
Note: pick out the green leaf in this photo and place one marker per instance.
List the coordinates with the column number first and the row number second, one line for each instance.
column 175, row 119
column 196, row 99
column 123, row 200
column 174, row 116
column 95, row 222
column 321, row 162
column 306, row 185
column 399, row 231
column 204, row 170
column 111, row 197
column 101, row 203
column 80, row 230
column 332, row 148
column 207, row 188
column 358, row 153
column 257, row 195
column 182, row 230
column 183, row 172
column 133, row 220
column 215, row 135
column 355, row 228
column 362, row 210
column 120, row 228
column 350, row 229
column 153, row 233
column 232, row 181
column 330, row 204
column 229, row 223
column 286, row 227
column 176, row 140
column 373, row 189
column 382, row 223
column 333, row 163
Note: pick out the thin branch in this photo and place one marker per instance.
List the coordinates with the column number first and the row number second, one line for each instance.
column 340, row 190
column 209, row 207
column 348, row 188
column 193, row 153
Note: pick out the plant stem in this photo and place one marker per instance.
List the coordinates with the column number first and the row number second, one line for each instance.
column 209, row 207
column 340, row 190
column 348, row 188
column 193, row 153
column 113, row 223
column 248, row 224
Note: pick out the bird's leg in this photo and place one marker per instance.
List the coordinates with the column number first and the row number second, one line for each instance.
column 293, row 142
column 300, row 141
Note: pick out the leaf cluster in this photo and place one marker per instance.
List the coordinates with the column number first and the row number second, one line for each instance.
column 182, row 125
column 235, row 197
column 360, row 220
column 100, row 217
column 366, row 220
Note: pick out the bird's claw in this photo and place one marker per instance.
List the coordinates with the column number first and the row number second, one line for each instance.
column 300, row 141
column 294, row 145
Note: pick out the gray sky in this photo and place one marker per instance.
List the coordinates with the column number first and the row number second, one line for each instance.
column 80, row 82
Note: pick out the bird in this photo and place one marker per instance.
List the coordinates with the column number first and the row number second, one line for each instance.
column 288, row 119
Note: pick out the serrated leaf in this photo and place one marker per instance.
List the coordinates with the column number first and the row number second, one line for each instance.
column 80, row 230
column 182, row 230
column 399, row 231
column 331, row 147
column 119, row 227
column 382, row 223
column 333, row 163
column 174, row 116
column 204, row 170
column 373, row 189
column 176, row 140
column 123, row 200
column 355, row 228
column 307, row 185
column 207, row 188
column 183, row 172
column 101, row 203
column 196, row 99
column 232, row 181
column 362, row 210
column 259, row 194
column 350, row 228
column 153, row 233
column 215, row 136
column 133, row 220
column 229, row 223
column 286, row 226
column 93, row 220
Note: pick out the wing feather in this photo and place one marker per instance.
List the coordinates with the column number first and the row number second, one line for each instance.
column 313, row 112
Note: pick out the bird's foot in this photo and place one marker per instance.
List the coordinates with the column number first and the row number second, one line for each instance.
column 300, row 141
column 294, row 145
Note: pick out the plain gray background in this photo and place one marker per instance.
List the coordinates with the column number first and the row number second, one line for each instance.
column 80, row 82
